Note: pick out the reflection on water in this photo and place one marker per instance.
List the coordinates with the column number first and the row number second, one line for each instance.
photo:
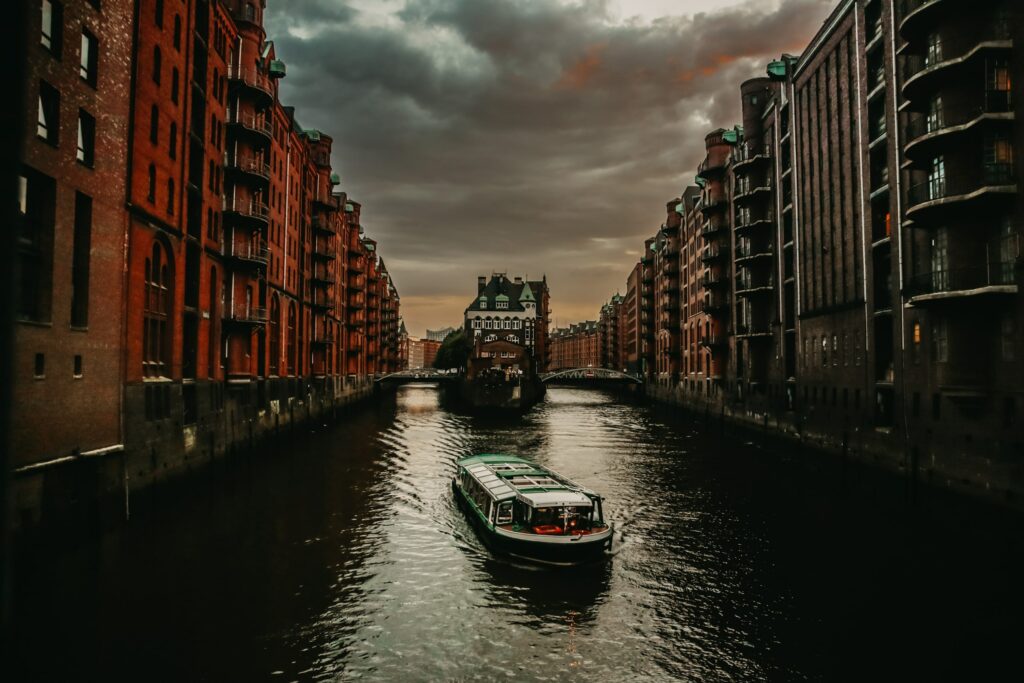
column 343, row 555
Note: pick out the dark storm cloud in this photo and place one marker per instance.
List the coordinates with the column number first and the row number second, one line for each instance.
column 527, row 135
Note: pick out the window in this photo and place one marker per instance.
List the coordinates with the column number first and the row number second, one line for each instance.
column 935, row 116
column 998, row 158
column 940, row 260
column 1009, row 337
column 48, row 123
column 940, row 342
column 157, row 64
column 82, row 243
column 177, row 32
column 39, row 367
column 824, row 352
column 174, row 85
column 51, row 25
column 476, row 324
column 933, row 50
column 154, row 124
column 274, row 325
column 37, row 201
column 89, row 58
column 937, row 178
column 159, row 13
column 86, row 138
column 917, row 343
column 170, row 196
column 158, row 295
column 151, row 196
column 76, row 369
column 172, row 147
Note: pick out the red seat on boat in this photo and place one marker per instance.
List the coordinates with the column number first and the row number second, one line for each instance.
column 547, row 529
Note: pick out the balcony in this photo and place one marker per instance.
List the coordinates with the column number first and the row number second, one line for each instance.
column 715, row 302
column 712, row 167
column 749, row 220
column 923, row 74
column 252, row 124
column 325, row 200
column 714, row 340
column 247, row 166
column 746, row 156
column 322, row 338
column 951, row 187
column 247, row 315
column 914, row 14
column 747, row 252
column 321, row 277
column 251, row 80
column 748, row 284
column 357, row 283
column 713, row 202
column 322, row 223
column 713, row 227
column 357, row 264
column 713, row 278
column 321, row 301
column 753, row 331
column 962, row 283
column 253, row 253
column 752, row 191
column 713, row 253
column 926, row 133
column 323, row 250
column 250, row 212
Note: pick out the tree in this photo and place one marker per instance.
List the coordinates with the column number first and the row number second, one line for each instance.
column 454, row 351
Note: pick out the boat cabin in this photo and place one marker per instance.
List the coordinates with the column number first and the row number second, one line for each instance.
column 519, row 496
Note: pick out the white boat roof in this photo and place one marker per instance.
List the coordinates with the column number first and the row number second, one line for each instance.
column 565, row 497
column 509, row 477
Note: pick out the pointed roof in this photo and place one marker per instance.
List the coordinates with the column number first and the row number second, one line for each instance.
column 527, row 293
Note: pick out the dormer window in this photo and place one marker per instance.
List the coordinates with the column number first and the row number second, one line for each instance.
column 483, row 303
column 502, row 305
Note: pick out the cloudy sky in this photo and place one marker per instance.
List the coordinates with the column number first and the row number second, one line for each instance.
column 528, row 136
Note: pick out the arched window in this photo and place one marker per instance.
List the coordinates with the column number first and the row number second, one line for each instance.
column 157, row 64
column 158, row 297
column 177, row 32
column 172, row 147
column 170, row 196
column 152, row 183
column 275, row 335
column 154, row 124
column 159, row 13
column 292, row 332
column 212, row 342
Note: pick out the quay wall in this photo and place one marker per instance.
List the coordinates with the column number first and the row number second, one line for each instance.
column 160, row 446
column 985, row 466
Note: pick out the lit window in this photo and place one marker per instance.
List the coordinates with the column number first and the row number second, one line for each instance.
column 89, row 58
column 50, row 26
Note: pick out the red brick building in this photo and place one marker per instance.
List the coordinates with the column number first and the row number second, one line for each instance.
column 576, row 346
column 68, row 364
column 189, row 261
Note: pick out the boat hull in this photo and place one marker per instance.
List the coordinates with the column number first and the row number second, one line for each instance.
column 563, row 550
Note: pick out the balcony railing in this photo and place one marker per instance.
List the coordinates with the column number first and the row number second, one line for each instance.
column 248, row 165
column 251, row 78
column 745, row 153
column 247, row 208
column 714, row 301
column 749, row 284
column 251, row 122
column 995, row 274
column 253, row 252
column 993, row 102
column 950, row 184
column 713, row 253
column 248, row 315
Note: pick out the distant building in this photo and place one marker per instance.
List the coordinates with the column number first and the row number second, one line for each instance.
column 576, row 346
column 422, row 353
column 440, row 335
column 513, row 311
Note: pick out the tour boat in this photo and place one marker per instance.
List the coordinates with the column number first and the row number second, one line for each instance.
column 530, row 512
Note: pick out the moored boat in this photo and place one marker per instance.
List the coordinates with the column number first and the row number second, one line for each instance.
column 528, row 511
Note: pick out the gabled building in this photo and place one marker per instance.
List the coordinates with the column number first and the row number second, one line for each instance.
column 511, row 310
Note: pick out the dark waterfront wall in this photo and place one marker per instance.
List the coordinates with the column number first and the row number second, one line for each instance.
column 104, row 488
column 986, row 469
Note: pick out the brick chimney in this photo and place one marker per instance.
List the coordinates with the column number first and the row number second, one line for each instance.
column 481, row 282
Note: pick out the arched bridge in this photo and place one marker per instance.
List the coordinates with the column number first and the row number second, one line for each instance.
column 421, row 375
column 587, row 375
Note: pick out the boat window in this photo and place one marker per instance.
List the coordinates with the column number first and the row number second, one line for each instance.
column 504, row 513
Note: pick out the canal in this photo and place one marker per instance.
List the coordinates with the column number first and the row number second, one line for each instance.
column 342, row 556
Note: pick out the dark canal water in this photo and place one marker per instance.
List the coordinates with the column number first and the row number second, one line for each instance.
column 343, row 556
